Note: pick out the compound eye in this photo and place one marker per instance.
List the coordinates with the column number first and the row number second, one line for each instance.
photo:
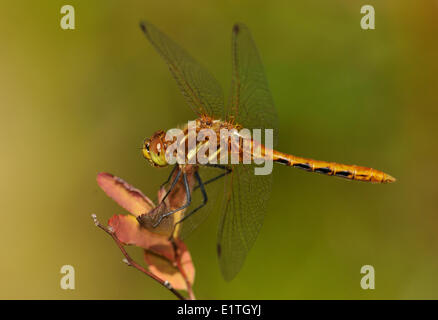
column 147, row 146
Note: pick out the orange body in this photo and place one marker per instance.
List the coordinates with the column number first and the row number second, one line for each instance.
column 158, row 146
column 346, row 171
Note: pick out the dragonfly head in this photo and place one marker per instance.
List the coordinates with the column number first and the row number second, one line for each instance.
column 154, row 149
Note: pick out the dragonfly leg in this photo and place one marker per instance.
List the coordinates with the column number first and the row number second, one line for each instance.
column 170, row 176
column 139, row 218
column 173, row 183
column 204, row 198
column 201, row 185
column 227, row 171
column 188, row 194
column 188, row 198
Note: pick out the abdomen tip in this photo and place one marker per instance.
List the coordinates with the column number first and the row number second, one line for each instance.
column 389, row 179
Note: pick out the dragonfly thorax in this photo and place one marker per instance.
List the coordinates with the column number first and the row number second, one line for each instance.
column 154, row 148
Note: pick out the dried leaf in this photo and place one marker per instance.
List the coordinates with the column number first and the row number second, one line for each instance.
column 163, row 256
column 169, row 271
column 128, row 231
column 128, row 197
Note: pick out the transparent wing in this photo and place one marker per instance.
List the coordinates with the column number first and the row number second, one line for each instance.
column 251, row 103
column 245, row 201
column 246, row 194
column 199, row 87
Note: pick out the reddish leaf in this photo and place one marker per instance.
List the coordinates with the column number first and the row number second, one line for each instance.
column 128, row 197
column 129, row 232
column 169, row 271
column 159, row 251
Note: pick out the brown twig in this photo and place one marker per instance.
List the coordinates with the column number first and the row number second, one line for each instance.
column 131, row 262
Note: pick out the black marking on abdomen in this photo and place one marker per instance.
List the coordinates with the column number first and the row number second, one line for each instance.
column 344, row 174
column 283, row 161
column 324, row 170
column 303, row 166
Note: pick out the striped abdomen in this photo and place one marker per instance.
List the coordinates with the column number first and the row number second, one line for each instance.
column 352, row 172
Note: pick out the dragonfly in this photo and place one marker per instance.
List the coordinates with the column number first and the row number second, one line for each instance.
column 251, row 106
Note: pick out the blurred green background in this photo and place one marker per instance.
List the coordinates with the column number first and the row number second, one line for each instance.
column 75, row 103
